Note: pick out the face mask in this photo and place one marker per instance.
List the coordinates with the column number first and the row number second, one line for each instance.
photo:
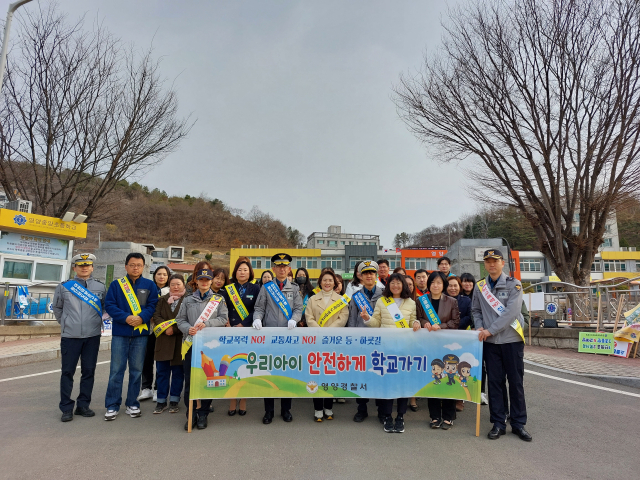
column 301, row 280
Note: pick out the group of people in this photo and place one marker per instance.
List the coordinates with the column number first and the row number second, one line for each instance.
column 154, row 321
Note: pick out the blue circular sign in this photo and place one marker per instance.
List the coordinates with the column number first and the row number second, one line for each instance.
column 552, row 308
column 20, row 220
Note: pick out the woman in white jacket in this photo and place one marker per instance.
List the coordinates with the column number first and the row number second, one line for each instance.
column 395, row 309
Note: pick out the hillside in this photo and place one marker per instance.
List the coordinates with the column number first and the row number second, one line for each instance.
column 137, row 214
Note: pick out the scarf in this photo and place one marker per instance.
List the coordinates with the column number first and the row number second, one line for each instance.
column 173, row 298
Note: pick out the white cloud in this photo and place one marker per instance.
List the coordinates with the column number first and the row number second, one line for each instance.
column 453, row 346
column 468, row 357
column 377, row 372
column 244, row 372
column 212, row 344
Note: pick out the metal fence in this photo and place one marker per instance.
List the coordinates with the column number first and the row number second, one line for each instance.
column 20, row 305
column 597, row 306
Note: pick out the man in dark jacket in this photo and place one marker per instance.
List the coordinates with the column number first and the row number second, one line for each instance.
column 131, row 302
column 77, row 306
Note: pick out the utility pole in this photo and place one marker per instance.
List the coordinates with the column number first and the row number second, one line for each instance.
column 5, row 39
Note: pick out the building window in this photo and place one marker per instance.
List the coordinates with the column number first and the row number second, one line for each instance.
column 608, row 242
column 176, row 253
column 615, row 266
column 415, row 263
column 333, row 262
column 20, row 270
column 530, row 265
column 637, row 265
column 333, row 243
column 320, row 242
column 342, row 243
column 256, row 262
column 595, row 267
column 576, row 217
column 48, row 272
column 575, row 231
column 354, row 260
column 307, row 262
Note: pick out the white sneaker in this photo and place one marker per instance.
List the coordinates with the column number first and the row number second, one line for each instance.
column 133, row 412
column 145, row 394
column 483, row 399
column 110, row 415
column 328, row 413
column 155, row 396
column 318, row 415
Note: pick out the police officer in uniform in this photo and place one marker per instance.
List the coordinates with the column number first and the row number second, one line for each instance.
column 267, row 313
column 503, row 348
column 80, row 330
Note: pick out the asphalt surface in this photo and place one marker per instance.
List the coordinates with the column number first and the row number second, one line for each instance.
column 578, row 432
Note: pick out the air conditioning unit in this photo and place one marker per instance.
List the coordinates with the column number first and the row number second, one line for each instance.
column 632, row 249
column 624, row 249
column 263, row 246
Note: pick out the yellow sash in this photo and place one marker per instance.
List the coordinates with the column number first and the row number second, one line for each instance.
column 332, row 309
column 159, row 329
column 237, row 301
column 316, row 290
column 395, row 312
column 132, row 300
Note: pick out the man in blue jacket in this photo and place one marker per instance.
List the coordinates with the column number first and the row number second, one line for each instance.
column 131, row 302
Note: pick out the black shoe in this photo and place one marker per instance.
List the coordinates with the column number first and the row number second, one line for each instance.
column 202, row 422
column 231, row 413
column 85, row 411
column 414, row 408
column 436, row 423
column 446, row 426
column 399, row 425
column 268, row 417
column 211, row 408
column 521, row 432
column 360, row 416
column 388, row 424
column 286, row 416
column 242, row 413
column 67, row 416
column 381, row 418
column 495, row 433
column 194, row 421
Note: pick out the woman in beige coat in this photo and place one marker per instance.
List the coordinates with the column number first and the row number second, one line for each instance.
column 316, row 307
column 404, row 308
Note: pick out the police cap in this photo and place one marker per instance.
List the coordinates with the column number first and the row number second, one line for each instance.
column 368, row 266
column 83, row 259
column 493, row 253
column 281, row 259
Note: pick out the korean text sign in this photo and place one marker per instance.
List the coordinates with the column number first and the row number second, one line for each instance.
column 331, row 362
column 595, row 342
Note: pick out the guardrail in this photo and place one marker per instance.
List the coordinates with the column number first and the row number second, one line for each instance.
column 36, row 306
column 598, row 305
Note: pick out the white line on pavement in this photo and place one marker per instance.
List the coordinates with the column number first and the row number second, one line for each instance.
column 44, row 373
column 584, row 384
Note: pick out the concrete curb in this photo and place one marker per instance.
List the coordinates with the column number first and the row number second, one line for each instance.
column 39, row 356
column 633, row 382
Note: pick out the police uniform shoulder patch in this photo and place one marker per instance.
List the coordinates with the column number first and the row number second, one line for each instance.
column 518, row 287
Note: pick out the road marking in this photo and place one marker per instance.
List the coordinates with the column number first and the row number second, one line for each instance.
column 583, row 384
column 45, row 373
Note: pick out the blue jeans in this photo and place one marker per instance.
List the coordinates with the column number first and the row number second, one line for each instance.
column 164, row 372
column 125, row 350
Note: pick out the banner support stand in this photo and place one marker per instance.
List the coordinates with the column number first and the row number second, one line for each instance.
column 190, row 416
column 478, row 420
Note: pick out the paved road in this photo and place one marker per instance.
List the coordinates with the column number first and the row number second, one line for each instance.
column 579, row 432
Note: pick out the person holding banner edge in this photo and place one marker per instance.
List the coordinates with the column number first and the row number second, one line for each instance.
column 326, row 309
column 395, row 309
column 130, row 302
column 167, row 347
column 497, row 313
column 436, row 311
column 77, row 306
column 199, row 310
column 279, row 304
column 241, row 296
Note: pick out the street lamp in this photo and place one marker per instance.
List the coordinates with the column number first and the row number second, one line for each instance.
column 5, row 40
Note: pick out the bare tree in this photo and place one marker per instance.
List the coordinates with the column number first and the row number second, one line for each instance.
column 543, row 98
column 79, row 113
